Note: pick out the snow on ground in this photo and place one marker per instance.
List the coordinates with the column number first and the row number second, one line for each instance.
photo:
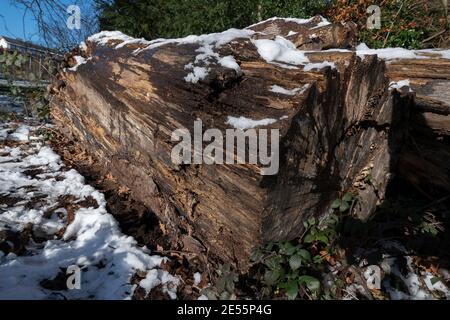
column 399, row 276
column 69, row 225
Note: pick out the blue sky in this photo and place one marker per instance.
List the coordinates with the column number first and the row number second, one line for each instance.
column 13, row 22
column 13, row 25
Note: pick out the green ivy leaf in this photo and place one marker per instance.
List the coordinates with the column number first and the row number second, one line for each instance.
column 288, row 248
column 291, row 288
column 332, row 220
column 272, row 277
column 309, row 238
column 295, row 261
column 9, row 61
column 336, row 204
column 344, row 206
column 311, row 283
column 257, row 255
column 273, row 263
column 306, row 256
column 317, row 259
column 347, row 197
column 322, row 238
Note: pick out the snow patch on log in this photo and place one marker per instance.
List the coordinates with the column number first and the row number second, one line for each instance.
column 79, row 61
column 321, row 23
column 83, row 46
column 400, row 84
column 207, row 43
column 230, row 63
column 399, row 53
column 215, row 39
column 290, row 92
column 104, row 37
column 197, row 74
column 244, row 123
column 280, row 50
column 320, row 65
column 387, row 53
column 204, row 58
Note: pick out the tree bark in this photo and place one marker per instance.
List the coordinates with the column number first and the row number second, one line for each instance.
column 425, row 158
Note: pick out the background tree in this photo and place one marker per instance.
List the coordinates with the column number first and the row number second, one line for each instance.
column 176, row 18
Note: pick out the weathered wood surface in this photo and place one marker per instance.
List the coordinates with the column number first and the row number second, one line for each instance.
column 312, row 35
column 425, row 159
column 123, row 104
column 430, row 80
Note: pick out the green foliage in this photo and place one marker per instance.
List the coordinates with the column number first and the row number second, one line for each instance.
column 343, row 204
column 404, row 23
column 323, row 233
column 406, row 38
column 224, row 286
column 36, row 98
column 12, row 62
column 45, row 133
column 177, row 18
column 430, row 228
column 295, row 267
column 289, row 8
column 287, row 268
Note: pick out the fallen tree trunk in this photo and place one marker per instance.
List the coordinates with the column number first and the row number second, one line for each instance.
column 425, row 158
column 340, row 129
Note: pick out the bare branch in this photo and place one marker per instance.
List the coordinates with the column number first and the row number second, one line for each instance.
column 51, row 17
